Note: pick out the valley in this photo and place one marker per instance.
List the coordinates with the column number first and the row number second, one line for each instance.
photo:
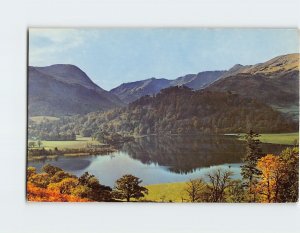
column 166, row 132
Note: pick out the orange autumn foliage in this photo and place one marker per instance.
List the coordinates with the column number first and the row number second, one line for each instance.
column 36, row 194
column 268, row 184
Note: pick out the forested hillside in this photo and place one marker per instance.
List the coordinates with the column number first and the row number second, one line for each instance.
column 177, row 110
column 275, row 82
column 282, row 91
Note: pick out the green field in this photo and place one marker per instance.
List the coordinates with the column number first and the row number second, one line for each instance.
column 39, row 119
column 81, row 142
column 167, row 192
column 280, row 138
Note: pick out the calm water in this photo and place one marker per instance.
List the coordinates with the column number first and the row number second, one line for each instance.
column 161, row 159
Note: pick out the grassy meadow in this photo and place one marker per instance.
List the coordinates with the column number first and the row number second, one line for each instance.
column 166, row 192
column 81, row 142
column 39, row 119
column 280, row 138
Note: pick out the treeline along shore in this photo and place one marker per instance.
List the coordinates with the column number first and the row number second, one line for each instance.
column 265, row 178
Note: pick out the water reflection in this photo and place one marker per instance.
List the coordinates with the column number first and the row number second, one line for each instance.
column 67, row 163
column 161, row 159
column 184, row 154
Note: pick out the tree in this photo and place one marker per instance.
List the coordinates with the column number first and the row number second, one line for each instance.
column 100, row 136
column 81, row 191
column 41, row 180
column 30, row 172
column 219, row 181
column 39, row 143
column 195, row 189
column 60, row 175
column 269, row 181
column 51, row 170
column 236, row 192
column 73, row 136
column 37, row 194
column 249, row 169
column 128, row 186
column 31, row 144
column 97, row 192
column 289, row 184
column 65, row 186
column 86, row 132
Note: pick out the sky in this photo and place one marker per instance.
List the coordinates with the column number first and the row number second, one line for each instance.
column 112, row 56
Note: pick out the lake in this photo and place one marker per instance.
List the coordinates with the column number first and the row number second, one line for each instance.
column 161, row 159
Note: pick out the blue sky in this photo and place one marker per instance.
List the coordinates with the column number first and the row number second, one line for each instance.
column 113, row 56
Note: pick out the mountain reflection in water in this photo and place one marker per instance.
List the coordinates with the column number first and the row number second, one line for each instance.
column 161, row 159
column 184, row 154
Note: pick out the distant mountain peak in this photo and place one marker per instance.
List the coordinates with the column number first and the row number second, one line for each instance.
column 279, row 64
column 272, row 67
column 129, row 92
column 68, row 73
column 236, row 67
column 64, row 89
column 274, row 82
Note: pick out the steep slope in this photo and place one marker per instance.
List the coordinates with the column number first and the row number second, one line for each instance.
column 275, row 82
column 198, row 81
column 65, row 90
column 276, row 67
column 181, row 110
column 129, row 92
column 236, row 69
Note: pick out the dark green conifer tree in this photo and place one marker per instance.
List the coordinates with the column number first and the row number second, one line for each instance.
column 249, row 169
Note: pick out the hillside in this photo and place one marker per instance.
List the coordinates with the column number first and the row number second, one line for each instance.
column 59, row 90
column 275, row 82
column 198, row 81
column 276, row 67
column 129, row 92
column 263, row 82
column 179, row 110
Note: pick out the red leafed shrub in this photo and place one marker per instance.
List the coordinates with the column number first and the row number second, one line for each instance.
column 36, row 194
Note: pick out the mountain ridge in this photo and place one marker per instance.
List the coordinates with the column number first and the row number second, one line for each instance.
column 274, row 66
column 279, row 66
column 60, row 89
column 274, row 82
column 61, row 73
column 131, row 91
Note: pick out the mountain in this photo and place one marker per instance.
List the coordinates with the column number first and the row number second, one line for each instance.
column 198, row 81
column 59, row 90
column 66, row 90
column 274, row 82
column 276, row 67
column 180, row 110
column 129, row 92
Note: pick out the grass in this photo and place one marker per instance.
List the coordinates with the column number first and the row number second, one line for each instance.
column 36, row 158
column 81, row 142
column 39, row 119
column 280, row 138
column 77, row 154
column 166, row 192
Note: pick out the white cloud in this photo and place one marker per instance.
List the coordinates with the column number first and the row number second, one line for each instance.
column 47, row 44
